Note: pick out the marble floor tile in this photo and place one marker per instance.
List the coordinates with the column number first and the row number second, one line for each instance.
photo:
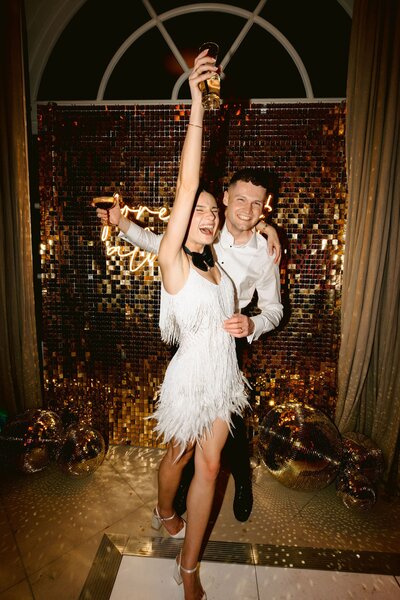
column 20, row 591
column 142, row 579
column 55, row 512
column 228, row 581
column 151, row 578
column 325, row 521
column 135, row 524
column 276, row 583
column 64, row 577
column 139, row 468
column 11, row 567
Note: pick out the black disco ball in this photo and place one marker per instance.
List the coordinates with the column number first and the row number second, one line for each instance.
column 300, row 446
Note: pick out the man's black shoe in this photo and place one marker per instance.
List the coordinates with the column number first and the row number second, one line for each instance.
column 180, row 498
column 243, row 502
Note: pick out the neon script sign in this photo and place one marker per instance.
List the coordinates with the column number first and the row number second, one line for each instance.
column 136, row 258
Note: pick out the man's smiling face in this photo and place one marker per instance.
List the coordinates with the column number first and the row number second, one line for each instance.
column 244, row 203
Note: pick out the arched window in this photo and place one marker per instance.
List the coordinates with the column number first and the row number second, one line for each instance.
column 142, row 51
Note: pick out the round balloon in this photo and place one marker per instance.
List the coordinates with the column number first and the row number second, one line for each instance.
column 361, row 454
column 300, row 446
column 82, row 452
column 35, row 425
column 36, row 435
column 33, row 459
column 355, row 490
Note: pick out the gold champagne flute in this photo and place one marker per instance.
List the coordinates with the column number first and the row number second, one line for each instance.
column 210, row 88
column 106, row 203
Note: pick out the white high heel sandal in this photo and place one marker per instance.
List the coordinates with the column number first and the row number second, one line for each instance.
column 177, row 573
column 157, row 521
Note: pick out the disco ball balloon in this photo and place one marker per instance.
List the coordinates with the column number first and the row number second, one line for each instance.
column 360, row 454
column 355, row 491
column 33, row 459
column 300, row 446
column 36, row 435
column 82, row 452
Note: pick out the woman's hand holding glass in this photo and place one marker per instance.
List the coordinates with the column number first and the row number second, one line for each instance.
column 109, row 216
column 204, row 66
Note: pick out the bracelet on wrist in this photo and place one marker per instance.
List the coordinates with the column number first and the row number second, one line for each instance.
column 194, row 125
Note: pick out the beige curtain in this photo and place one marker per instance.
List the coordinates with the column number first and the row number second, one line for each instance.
column 19, row 367
column 369, row 359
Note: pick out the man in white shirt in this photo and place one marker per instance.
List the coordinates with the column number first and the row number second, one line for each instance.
column 252, row 263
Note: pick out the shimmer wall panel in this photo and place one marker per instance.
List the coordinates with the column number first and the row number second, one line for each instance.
column 102, row 353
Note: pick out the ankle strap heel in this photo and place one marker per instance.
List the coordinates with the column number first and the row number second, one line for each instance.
column 188, row 570
column 179, row 568
column 157, row 521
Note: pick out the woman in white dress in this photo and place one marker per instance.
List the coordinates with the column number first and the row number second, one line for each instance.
column 203, row 385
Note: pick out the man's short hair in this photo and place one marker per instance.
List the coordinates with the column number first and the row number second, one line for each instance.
column 262, row 177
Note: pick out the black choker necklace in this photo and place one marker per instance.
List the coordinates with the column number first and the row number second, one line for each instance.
column 202, row 260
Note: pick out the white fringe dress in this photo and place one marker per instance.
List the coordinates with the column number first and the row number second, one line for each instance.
column 203, row 381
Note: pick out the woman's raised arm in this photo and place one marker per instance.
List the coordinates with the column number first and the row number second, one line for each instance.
column 171, row 259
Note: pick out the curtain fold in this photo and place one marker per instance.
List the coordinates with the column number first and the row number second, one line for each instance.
column 19, row 364
column 369, row 357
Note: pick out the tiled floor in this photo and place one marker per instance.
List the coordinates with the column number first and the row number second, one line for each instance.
column 246, row 582
column 304, row 545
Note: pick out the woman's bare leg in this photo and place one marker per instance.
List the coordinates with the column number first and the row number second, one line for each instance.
column 169, row 476
column 199, row 503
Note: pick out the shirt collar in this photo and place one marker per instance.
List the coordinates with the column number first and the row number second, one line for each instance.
column 226, row 239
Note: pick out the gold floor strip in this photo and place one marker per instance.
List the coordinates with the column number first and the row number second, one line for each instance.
column 101, row 578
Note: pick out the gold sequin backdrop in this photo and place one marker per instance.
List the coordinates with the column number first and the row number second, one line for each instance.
column 102, row 355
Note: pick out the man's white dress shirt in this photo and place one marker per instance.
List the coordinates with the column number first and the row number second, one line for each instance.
column 250, row 267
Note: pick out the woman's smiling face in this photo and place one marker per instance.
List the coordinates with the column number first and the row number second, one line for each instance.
column 204, row 222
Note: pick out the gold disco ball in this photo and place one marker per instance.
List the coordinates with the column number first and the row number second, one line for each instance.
column 300, row 446
column 356, row 490
column 361, row 455
column 82, row 452
column 34, row 438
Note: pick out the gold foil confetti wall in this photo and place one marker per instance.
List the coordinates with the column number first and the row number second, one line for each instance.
column 100, row 319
